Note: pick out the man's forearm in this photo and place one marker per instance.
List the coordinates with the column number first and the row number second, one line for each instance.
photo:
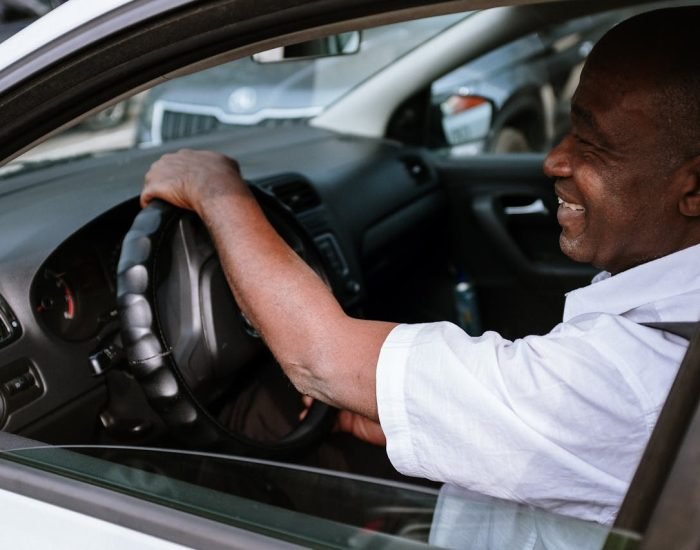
column 326, row 354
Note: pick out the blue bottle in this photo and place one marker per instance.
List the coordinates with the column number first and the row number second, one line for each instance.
column 467, row 309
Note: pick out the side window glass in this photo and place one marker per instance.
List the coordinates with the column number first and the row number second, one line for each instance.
column 516, row 98
column 111, row 129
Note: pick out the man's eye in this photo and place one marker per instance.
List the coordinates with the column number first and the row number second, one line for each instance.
column 581, row 140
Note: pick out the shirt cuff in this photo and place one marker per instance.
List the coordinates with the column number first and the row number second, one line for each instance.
column 391, row 405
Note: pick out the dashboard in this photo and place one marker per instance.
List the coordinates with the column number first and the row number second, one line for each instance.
column 63, row 225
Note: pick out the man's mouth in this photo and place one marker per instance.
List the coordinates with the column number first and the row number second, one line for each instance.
column 570, row 205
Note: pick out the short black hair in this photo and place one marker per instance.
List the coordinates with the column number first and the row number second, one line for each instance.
column 661, row 46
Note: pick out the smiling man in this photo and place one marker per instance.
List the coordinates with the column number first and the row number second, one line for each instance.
column 632, row 152
column 559, row 420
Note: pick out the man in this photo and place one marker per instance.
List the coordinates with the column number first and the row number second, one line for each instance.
column 559, row 420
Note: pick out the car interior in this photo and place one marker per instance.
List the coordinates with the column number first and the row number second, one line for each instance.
column 117, row 326
column 394, row 227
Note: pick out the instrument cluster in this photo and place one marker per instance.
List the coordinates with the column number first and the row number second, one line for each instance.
column 73, row 294
column 74, row 301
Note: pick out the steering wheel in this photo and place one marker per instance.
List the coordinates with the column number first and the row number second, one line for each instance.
column 185, row 337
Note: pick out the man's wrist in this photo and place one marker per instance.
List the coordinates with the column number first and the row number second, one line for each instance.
column 220, row 194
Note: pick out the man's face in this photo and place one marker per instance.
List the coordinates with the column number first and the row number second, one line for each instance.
column 611, row 173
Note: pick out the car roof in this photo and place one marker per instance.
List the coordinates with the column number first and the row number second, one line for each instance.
column 53, row 25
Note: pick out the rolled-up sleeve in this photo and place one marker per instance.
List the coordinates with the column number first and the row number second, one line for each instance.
column 547, row 420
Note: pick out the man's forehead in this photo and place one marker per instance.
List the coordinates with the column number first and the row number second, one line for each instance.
column 624, row 88
column 608, row 106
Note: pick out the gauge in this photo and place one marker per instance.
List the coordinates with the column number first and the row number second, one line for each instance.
column 56, row 303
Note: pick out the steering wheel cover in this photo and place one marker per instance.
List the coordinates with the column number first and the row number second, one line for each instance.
column 151, row 360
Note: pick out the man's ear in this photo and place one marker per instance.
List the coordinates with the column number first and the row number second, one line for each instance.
column 689, row 174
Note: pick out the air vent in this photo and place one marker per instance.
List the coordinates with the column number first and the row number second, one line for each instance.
column 297, row 195
column 9, row 327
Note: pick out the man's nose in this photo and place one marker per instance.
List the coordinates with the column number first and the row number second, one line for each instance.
column 557, row 164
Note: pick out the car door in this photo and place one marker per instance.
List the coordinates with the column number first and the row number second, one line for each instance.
column 505, row 238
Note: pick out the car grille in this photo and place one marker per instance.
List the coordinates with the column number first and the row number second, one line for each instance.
column 170, row 123
column 179, row 125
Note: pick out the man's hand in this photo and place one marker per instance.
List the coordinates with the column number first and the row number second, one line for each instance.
column 360, row 426
column 187, row 179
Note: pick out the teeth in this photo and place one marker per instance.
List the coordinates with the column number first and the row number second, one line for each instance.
column 570, row 205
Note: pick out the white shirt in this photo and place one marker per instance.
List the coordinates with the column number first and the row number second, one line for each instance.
column 556, row 421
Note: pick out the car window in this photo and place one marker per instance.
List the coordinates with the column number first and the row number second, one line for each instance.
column 246, row 92
column 309, row 506
column 238, row 94
column 515, row 98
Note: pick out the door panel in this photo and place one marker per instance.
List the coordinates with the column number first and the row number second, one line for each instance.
column 505, row 237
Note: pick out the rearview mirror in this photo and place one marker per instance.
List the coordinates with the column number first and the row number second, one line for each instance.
column 346, row 43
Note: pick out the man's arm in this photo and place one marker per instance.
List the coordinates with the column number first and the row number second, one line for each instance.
column 326, row 354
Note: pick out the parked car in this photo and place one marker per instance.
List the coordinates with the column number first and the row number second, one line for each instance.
column 98, row 451
column 17, row 14
column 526, row 83
column 529, row 81
column 249, row 92
column 19, row 10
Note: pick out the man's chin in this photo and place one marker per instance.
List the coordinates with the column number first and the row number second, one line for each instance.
column 575, row 249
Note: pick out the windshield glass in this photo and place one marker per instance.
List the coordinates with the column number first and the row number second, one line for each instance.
column 240, row 93
column 310, row 506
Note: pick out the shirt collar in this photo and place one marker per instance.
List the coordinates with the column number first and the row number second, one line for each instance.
column 653, row 281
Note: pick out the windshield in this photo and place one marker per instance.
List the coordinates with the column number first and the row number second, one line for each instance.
column 241, row 93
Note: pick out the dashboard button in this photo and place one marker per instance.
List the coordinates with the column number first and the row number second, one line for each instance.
column 19, row 384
